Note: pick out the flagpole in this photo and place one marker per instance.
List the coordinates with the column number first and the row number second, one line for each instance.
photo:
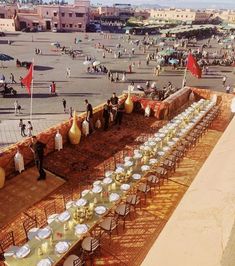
column 184, row 77
column 31, row 98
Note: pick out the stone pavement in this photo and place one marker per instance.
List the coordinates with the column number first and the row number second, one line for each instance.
column 51, row 65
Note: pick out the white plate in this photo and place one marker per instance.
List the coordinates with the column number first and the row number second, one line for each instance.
column 107, row 180
column 137, row 156
column 44, row 233
column 100, row 210
column 85, row 192
column 52, row 218
column 127, row 159
column 145, row 167
column 136, row 176
column 114, row 197
column 152, row 161
column 97, row 189
column 108, row 173
column 64, row 216
column 81, row 202
column 61, row 247
column 23, row 252
column 44, row 262
column 125, row 187
column 161, row 153
column 96, row 183
column 128, row 164
column 81, row 229
column 119, row 170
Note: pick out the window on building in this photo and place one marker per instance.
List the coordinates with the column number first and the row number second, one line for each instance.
column 70, row 25
column 70, row 15
column 55, row 25
column 62, row 14
column 63, row 25
column 79, row 15
column 2, row 15
column 79, row 26
column 47, row 13
column 55, row 14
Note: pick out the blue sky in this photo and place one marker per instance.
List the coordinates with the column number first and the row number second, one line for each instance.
column 227, row 4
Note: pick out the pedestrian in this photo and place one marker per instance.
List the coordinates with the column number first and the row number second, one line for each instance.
column 12, row 78
column 16, row 106
column 37, row 148
column 64, row 105
column 106, row 115
column 124, row 76
column 21, row 84
column 68, row 72
column 89, row 116
column 70, row 112
column 224, row 80
column 120, row 111
column 19, row 109
column 22, row 128
column 53, row 87
column 228, row 88
column 29, row 129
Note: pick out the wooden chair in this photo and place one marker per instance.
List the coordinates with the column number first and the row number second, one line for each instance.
column 7, row 245
column 122, row 211
column 109, row 224
column 154, row 181
column 30, row 227
column 145, row 189
column 134, row 201
column 74, row 260
column 50, row 212
column 91, row 245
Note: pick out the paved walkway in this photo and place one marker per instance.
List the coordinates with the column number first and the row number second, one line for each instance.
column 51, row 65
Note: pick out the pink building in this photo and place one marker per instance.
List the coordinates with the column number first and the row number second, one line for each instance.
column 49, row 17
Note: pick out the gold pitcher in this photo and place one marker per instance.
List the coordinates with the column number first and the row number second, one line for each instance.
column 2, row 177
column 129, row 105
column 74, row 132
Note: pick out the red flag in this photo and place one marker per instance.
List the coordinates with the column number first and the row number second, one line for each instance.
column 28, row 79
column 193, row 66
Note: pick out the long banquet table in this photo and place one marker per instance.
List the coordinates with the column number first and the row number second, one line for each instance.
column 109, row 192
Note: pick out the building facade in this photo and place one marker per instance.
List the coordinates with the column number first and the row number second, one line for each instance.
column 47, row 17
column 185, row 15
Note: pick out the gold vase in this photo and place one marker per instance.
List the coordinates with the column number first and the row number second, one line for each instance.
column 129, row 106
column 2, row 177
column 74, row 132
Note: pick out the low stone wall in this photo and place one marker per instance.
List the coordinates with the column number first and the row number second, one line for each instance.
column 47, row 137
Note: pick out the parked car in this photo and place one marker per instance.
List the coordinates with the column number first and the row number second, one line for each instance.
column 54, row 29
column 7, row 90
column 2, row 34
column 26, row 29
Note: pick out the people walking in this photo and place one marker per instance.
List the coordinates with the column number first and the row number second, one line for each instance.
column 16, row 106
column 224, row 80
column 12, row 78
column 68, row 72
column 64, row 105
column 89, row 116
column 29, row 129
column 37, row 148
column 22, row 128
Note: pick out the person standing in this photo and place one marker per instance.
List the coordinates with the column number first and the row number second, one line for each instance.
column 224, row 80
column 22, row 128
column 12, row 78
column 89, row 116
column 53, row 87
column 120, row 111
column 37, row 148
column 64, row 105
column 106, row 115
column 228, row 88
column 68, row 72
column 29, row 129
column 16, row 106
column 21, row 84
column 114, row 104
column 70, row 112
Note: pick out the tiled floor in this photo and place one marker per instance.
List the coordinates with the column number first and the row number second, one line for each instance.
column 24, row 191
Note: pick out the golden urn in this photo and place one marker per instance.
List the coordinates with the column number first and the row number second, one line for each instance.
column 2, row 177
column 74, row 132
column 129, row 105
